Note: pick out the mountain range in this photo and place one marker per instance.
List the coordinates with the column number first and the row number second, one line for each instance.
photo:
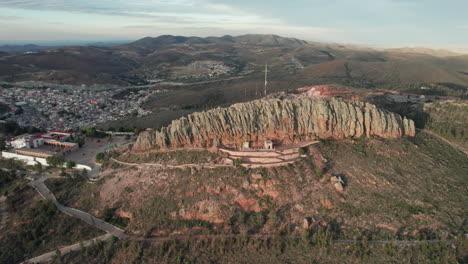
column 172, row 58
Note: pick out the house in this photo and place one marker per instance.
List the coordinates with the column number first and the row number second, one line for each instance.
column 57, row 135
column 25, row 141
column 55, row 138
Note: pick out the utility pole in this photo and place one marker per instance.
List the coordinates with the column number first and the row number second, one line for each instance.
column 266, row 78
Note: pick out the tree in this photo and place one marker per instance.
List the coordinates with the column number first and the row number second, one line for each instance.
column 55, row 161
column 38, row 167
column 70, row 164
column 89, row 131
column 100, row 157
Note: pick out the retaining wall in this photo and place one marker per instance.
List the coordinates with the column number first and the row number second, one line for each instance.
column 33, row 160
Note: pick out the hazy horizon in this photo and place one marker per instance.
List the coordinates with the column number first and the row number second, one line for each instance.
column 61, row 43
column 376, row 24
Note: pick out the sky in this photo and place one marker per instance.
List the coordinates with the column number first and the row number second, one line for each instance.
column 373, row 23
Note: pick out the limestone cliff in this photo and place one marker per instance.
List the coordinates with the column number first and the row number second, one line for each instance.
column 283, row 121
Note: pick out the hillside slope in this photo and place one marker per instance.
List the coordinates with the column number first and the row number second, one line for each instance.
column 410, row 188
column 449, row 120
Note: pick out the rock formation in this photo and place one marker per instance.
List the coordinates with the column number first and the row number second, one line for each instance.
column 283, row 121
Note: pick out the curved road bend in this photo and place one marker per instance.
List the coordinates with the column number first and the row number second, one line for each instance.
column 111, row 230
column 40, row 186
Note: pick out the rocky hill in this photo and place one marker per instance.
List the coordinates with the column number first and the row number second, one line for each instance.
column 283, row 121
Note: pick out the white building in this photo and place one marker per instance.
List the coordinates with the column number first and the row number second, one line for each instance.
column 52, row 137
column 25, row 141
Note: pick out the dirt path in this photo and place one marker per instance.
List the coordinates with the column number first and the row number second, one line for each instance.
column 455, row 146
column 183, row 166
column 65, row 250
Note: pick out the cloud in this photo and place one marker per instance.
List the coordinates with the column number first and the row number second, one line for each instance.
column 9, row 18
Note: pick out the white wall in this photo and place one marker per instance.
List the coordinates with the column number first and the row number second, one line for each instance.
column 28, row 159
column 32, row 160
column 81, row 166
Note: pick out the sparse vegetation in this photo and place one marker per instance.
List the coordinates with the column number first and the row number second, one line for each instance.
column 171, row 158
column 39, row 227
column 448, row 119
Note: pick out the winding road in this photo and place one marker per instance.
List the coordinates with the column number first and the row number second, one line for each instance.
column 65, row 250
column 113, row 231
column 40, row 186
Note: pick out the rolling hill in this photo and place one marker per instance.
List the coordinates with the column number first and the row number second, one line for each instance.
column 171, row 58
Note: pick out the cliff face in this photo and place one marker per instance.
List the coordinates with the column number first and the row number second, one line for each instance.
column 283, row 121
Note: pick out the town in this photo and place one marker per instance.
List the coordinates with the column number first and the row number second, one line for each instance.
column 68, row 109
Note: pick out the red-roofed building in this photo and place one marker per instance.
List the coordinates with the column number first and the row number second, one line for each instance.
column 52, row 137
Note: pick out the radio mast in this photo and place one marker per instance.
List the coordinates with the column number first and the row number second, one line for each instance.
column 266, row 78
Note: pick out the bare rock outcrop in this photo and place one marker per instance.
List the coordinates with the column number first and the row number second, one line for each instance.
column 283, row 121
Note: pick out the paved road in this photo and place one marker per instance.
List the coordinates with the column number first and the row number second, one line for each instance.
column 111, row 230
column 65, row 250
column 3, row 212
column 185, row 84
column 39, row 185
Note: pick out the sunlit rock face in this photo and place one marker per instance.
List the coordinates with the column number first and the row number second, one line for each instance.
column 283, row 121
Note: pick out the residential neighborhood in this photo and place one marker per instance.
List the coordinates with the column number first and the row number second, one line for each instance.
column 67, row 109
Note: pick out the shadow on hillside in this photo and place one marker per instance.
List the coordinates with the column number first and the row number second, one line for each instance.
column 412, row 111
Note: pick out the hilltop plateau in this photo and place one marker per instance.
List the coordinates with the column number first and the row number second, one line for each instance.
column 282, row 121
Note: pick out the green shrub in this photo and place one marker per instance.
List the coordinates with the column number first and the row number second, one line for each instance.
column 55, row 161
column 70, row 164
column 100, row 157
column 318, row 172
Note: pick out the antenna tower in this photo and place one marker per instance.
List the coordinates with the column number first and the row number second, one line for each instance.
column 266, row 78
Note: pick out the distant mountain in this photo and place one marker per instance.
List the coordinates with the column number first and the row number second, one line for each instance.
column 171, row 58
column 269, row 40
column 151, row 44
column 106, row 43
column 21, row 48
column 427, row 51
